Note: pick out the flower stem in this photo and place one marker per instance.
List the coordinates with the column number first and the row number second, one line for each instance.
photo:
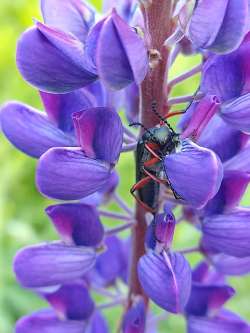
column 184, row 76
column 158, row 23
column 190, row 250
column 129, row 147
column 119, row 229
column 117, row 302
column 180, row 100
column 115, row 216
column 122, row 203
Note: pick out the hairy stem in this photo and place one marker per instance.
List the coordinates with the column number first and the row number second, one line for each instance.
column 157, row 17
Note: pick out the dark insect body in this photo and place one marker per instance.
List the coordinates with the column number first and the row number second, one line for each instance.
column 154, row 145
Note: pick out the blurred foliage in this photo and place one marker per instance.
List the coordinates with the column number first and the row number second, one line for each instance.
column 22, row 218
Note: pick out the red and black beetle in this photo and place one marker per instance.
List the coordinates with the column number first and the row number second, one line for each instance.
column 155, row 144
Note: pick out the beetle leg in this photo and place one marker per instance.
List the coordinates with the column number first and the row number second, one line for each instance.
column 138, row 186
column 158, row 180
column 151, row 162
column 152, row 152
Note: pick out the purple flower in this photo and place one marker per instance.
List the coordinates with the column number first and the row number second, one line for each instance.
column 166, row 279
column 65, row 173
column 52, row 264
column 225, row 31
column 77, row 224
column 135, row 317
column 67, row 55
column 88, row 73
column 187, row 170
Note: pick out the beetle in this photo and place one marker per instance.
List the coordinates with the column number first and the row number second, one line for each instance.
column 155, row 144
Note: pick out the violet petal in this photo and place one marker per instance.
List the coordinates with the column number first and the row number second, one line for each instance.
column 224, row 140
column 46, row 321
column 67, row 174
column 167, row 284
column 200, row 272
column 104, row 273
column 73, row 16
column 52, row 60
column 201, row 116
column 77, row 223
column 71, row 301
column 228, row 233
column 132, row 103
column 60, row 107
column 97, row 324
column 135, row 318
column 229, row 265
column 30, row 130
column 237, row 113
column 203, row 31
column 205, row 299
column 215, row 82
column 240, row 162
column 91, row 45
column 227, row 29
column 99, row 139
column 233, row 187
column 128, row 60
column 52, row 264
column 215, row 325
column 195, row 173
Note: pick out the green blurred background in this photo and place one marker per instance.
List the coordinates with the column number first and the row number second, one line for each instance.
column 22, row 218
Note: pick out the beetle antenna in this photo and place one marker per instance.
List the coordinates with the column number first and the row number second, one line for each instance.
column 145, row 128
column 154, row 109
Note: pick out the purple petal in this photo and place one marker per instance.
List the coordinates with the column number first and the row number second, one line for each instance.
column 70, row 16
column 123, row 7
column 52, row 60
column 30, row 130
column 226, row 142
column 97, row 324
column 105, row 194
column 77, row 223
column 229, row 265
column 234, row 27
column 132, row 103
column 201, row 116
column 128, row 60
column 233, row 187
column 67, row 174
column 91, row 45
column 195, row 173
column 46, row 321
column 135, row 318
column 52, row 264
column 240, row 162
column 101, row 140
column 60, row 107
column 205, row 299
column 237, row 113
column 203, row 31
column 215, row 82
column 71, row 301
column 227, row 29
column 105, row 273
column 200, row 272
column 215, row 325
column 228, row 233
column 164, row 228
column 167, row 281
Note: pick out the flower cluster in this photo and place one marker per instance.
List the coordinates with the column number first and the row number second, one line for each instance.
column 86, row 69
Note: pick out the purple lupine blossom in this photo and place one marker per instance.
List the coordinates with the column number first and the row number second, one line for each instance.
column 87, row 69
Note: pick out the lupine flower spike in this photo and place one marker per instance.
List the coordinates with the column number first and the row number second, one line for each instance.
column 89, row 69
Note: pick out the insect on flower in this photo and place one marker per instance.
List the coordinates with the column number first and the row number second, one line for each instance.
column 155, row 143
